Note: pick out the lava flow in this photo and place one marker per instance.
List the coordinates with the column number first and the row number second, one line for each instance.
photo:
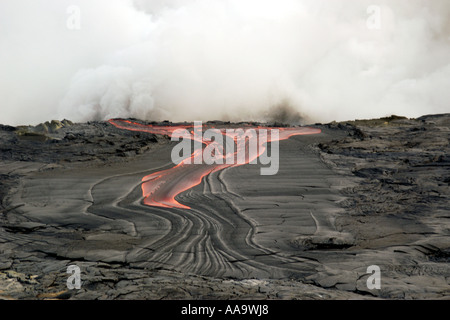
column 160, row 188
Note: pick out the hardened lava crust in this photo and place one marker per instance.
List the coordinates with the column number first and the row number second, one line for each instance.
column 358, row 194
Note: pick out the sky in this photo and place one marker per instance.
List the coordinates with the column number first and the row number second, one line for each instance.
column 237, row 60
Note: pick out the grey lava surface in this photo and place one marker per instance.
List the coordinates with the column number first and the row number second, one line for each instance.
column 361, row 193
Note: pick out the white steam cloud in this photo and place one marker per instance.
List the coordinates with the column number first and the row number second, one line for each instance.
column 231, row 59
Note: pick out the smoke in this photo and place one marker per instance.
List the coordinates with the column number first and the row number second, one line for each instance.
column 232, row 59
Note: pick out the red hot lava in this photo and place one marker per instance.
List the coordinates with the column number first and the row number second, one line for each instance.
column 160, row 188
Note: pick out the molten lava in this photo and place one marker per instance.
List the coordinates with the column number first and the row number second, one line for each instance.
column 160, row 188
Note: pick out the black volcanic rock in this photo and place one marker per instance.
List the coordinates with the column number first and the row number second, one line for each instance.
column 361, row 193
column 7, row 128
column 56, row 141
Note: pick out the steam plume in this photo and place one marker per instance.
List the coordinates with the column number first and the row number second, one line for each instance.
column 232, row 59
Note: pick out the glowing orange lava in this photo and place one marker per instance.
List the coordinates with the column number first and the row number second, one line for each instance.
column 160, row 188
